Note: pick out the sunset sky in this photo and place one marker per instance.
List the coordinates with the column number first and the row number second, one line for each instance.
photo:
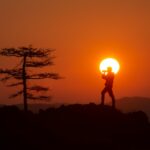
column 83, row 32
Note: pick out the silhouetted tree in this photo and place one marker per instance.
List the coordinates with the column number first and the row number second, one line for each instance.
column 30, row 58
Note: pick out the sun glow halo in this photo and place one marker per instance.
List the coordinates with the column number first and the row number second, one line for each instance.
column 109, row 62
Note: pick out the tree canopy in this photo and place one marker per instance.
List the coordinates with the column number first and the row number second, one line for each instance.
column 30, row 58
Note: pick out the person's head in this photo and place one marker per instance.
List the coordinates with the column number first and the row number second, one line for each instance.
column 109, row 69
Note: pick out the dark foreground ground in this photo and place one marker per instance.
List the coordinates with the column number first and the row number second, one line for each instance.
column 74, row 127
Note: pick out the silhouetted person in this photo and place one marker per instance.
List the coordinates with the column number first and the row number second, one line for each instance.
column 109, row 77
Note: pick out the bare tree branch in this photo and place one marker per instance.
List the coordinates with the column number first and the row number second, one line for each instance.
column 4, row 79
column 16, row 94
column 44, row 76
column 39, row 63
column 28, row 51
column 32, row 97
column 15, row 73
column 15, row 84
column 38, row 88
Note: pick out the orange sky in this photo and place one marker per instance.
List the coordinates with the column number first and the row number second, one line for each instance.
column 83, row 32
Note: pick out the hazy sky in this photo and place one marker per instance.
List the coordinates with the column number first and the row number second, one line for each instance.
column 83, row 32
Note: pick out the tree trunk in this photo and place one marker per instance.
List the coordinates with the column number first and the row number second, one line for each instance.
column 24, row 84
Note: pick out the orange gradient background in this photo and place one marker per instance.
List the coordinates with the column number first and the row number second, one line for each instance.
column 83, row 32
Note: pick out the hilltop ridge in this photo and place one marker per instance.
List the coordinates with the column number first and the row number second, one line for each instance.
column 74, row 126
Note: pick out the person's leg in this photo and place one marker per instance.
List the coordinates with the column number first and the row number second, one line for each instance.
column 112, row 97
column 103, row 95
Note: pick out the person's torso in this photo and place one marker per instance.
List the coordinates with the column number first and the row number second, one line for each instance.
column 109, row 80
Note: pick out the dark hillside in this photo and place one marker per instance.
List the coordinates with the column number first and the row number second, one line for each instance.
column 128, row 104
column 74, row 127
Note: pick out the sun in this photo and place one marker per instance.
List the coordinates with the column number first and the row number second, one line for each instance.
column 109, row 62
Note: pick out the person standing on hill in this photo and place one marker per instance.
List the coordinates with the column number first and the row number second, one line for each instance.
column 109, row 77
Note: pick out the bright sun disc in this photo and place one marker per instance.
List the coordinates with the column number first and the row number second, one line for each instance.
column 109, row 62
